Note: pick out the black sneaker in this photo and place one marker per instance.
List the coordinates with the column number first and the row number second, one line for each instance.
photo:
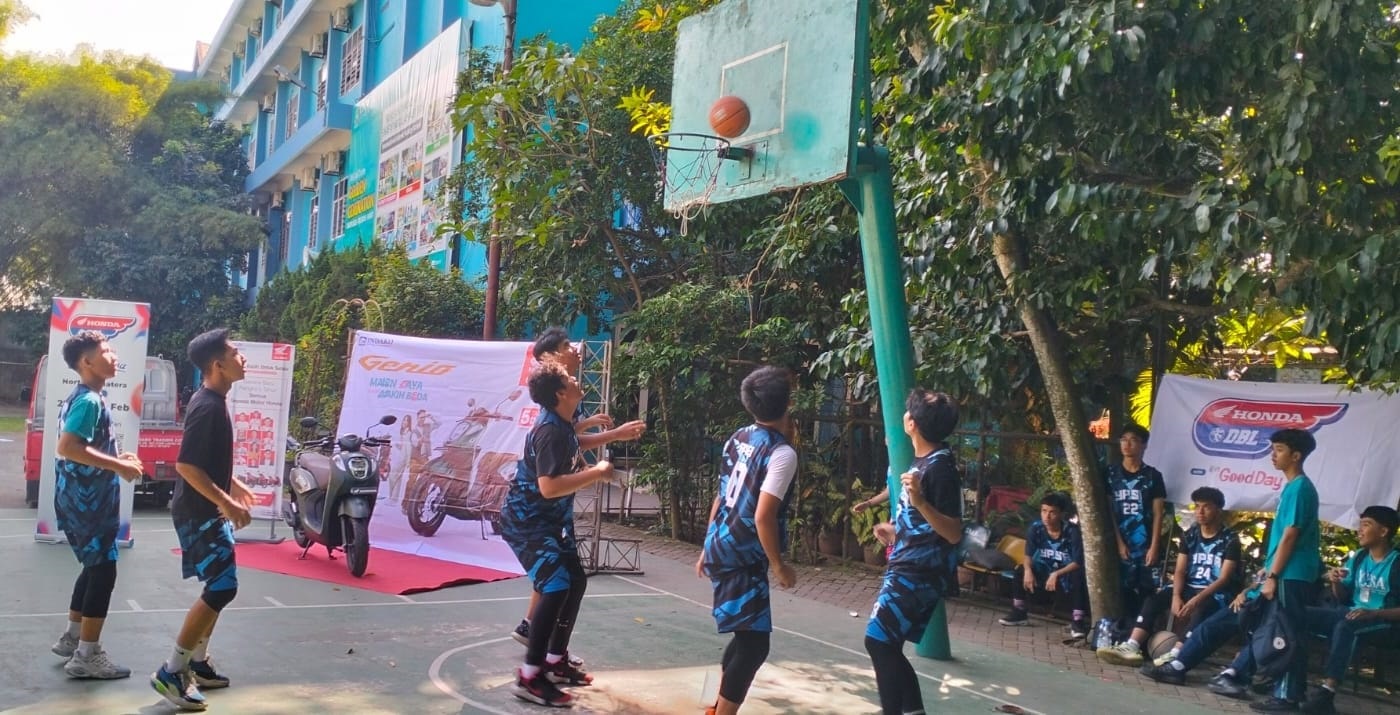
column 1320, row 702
column 1228, row 686
column 521, row 634
column 1263, row 686
column 1078, row 628
column 1164, row 674
column 541, row 691
column 566, row 673
column 206, row 676
column 1016, row 617
column 1274, row 705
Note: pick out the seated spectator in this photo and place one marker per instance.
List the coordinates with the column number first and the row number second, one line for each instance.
column 1202, row 584
column 1055, row 555
column 1370, row 583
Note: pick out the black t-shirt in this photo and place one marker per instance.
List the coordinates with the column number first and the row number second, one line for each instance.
column 207, row 443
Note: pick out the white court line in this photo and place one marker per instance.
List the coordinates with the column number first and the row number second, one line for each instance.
column 274, row 602
column 435, row 675
column 370, row 604
column 134, row 606
column 941, row 681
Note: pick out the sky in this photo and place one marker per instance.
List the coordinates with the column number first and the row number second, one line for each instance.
column 164, row 29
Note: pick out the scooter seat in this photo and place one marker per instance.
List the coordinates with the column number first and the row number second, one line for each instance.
column 315, row 462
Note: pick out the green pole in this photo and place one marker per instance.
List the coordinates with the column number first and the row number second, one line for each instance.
column 871, row 191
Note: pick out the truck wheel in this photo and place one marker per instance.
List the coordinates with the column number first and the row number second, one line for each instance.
column 356, row 531
column 426, row 506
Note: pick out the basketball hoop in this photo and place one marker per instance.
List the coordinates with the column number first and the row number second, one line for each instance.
column 688, row 164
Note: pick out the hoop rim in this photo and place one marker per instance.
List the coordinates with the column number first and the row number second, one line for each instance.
column 662, row 141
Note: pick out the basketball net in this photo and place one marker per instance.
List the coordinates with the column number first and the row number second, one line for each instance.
column 688, row 165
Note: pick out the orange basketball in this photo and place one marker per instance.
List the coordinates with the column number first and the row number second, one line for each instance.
column 729, row 116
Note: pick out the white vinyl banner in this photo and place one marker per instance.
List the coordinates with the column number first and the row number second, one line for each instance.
column 126, row 327
column 258, row 405
column 463, row 412
column 1216, row 433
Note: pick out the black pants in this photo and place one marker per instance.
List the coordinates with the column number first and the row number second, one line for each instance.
column 1071, row 584
column 1161, row 602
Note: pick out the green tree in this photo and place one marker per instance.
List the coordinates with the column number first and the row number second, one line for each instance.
column 1080, row 173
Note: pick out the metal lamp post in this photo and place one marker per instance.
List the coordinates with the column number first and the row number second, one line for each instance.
column 493, row 247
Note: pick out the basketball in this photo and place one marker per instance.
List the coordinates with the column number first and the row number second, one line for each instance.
column 729, row 116
column 1160, row 644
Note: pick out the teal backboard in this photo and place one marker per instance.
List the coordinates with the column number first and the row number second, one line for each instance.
column 793, row 62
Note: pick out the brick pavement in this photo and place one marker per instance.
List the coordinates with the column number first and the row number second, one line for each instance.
column 853, row 587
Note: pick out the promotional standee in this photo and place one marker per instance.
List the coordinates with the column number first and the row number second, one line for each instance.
column 126, row 327
column 258, row 406
column 463, row 411
column 1216, row 433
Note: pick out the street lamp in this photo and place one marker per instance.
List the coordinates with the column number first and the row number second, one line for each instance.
column 493, row 247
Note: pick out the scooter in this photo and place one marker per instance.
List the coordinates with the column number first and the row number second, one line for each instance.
column 462, row 481
column 329, row 491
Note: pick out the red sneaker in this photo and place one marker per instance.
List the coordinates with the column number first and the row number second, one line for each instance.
column 541, row 690
column 566, row 673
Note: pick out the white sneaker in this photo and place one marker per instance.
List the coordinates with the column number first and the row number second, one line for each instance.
column 1125, row 653
column 66, row 646
column 96, row 666
column 1164, row 658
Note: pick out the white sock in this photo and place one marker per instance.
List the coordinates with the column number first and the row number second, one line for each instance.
column 1177, row 665
column 74, row 628
column 1229, row 672
column 179, row 660
column 86, row 648
column 528, row 671
column 201, row 651
column 553, row 658
column 1132, row 645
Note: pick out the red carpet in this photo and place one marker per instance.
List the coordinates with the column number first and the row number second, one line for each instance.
column 388, row 572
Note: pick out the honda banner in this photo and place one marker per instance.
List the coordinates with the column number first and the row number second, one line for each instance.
column 463, row 412
column 258, row 405
column 125, row 325
column 1216, row 433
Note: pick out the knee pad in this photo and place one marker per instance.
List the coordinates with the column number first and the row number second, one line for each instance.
column 217, row 600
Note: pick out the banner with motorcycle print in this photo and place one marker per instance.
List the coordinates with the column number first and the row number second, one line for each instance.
column 258, row 405
column 1216, row 433
column 463, row 412
column 126, row 327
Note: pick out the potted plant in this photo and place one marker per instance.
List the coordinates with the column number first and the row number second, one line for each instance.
column 863, row 527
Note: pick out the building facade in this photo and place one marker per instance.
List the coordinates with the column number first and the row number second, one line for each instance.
column 345, row 107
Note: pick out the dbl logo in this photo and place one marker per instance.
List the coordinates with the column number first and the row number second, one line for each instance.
column 110, row 326
column 1240, row 428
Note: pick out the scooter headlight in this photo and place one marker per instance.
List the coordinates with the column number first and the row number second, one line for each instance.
column 358, row 466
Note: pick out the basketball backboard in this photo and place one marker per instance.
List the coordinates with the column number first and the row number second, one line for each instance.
column 793, row 62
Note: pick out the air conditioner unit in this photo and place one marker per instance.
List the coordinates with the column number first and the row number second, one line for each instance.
column 255, row 29
column 340, row 19
column 238, row 53
column 331, row 162
column 307, row 177
column 318, row 45
column 277, row 201
column 268, row 103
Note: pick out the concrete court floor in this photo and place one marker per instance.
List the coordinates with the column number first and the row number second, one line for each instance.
column 298, row 646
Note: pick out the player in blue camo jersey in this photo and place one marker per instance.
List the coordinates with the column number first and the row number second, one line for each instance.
column 1204, row 580
column 1055, row 553
column 922, row 566
column 747, row 532
column 1139, row 499
column 86, row 503
column 537, row 523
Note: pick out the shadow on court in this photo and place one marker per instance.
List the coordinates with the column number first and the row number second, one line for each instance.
column 295, row 646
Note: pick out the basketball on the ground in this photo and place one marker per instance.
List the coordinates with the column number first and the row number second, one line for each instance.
column 1160, row 644
column 729, row 116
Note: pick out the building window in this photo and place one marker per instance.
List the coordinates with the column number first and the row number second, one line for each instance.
column 351, row 64
column 252, row 151
column 285, row 249
column 338, row 209
column 293, row 112
column 321, row 86
column 315, row 223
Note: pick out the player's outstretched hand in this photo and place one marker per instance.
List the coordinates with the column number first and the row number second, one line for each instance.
column 787, row 576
